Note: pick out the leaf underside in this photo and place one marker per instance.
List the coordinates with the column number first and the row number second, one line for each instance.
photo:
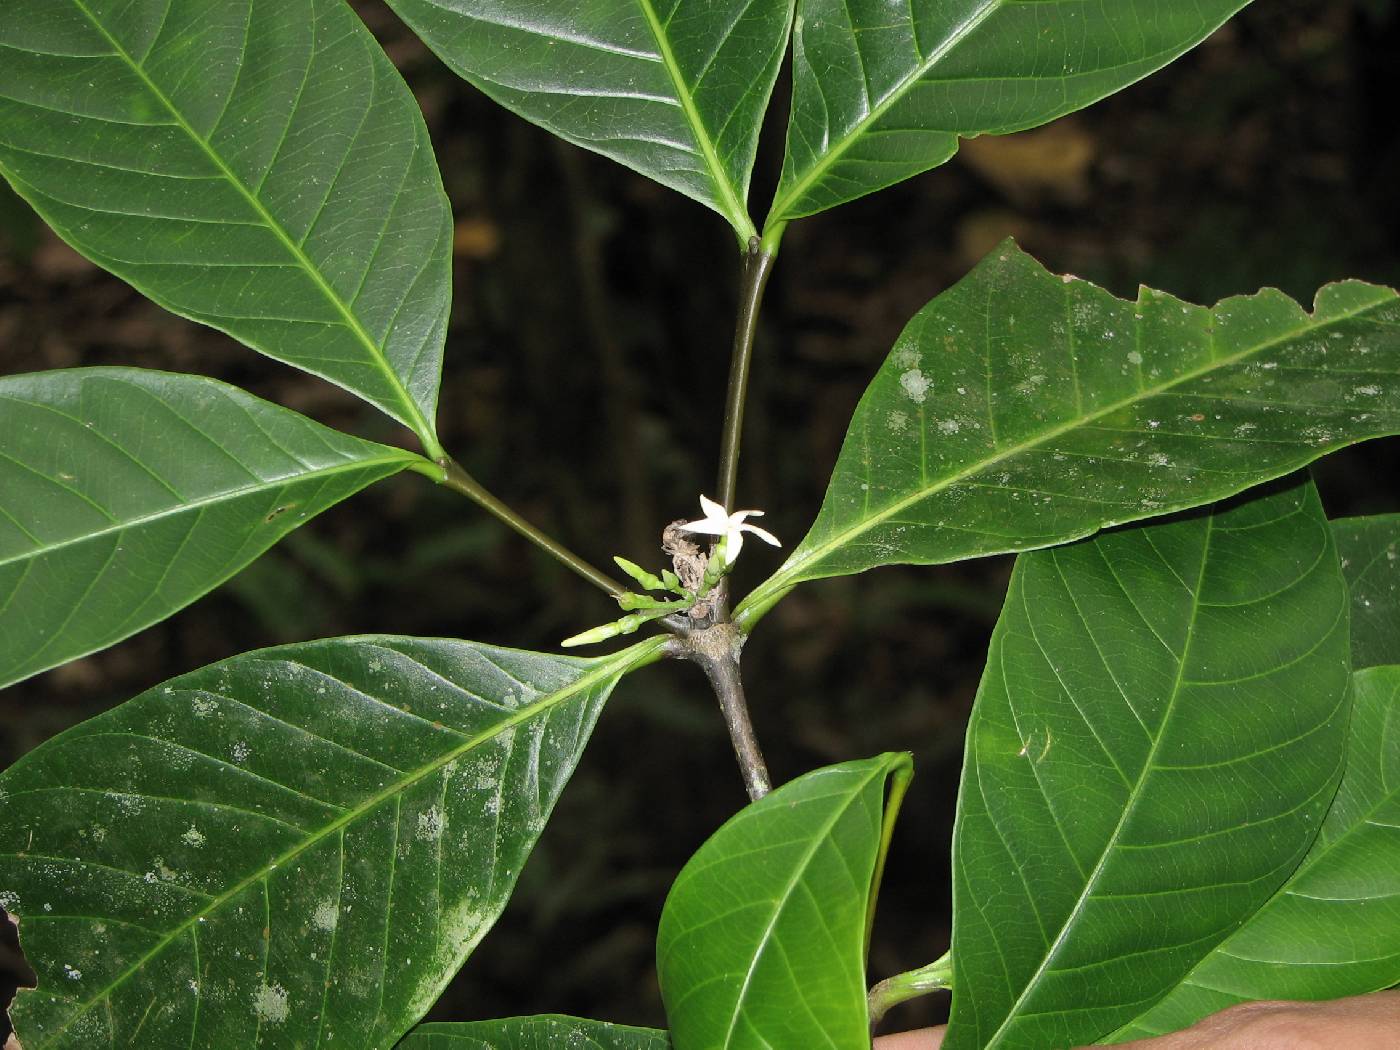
column 126, row 494
column 763, row 937
column 675, row 89
column 547, row 1032
column 293, row 848
column 1334, row 929
column 1370, row 550
column 883, row 91
column 1158, row 734
column 256, row 165
column 1020, row 409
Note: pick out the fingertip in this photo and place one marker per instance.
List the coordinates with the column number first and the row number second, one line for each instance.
column 923, row 1039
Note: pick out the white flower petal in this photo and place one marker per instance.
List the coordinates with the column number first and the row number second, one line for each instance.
column 713, row 510
column 719, row 522
column 733, row 543
column 763, row 534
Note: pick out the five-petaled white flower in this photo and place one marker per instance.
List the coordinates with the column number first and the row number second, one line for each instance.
column 719, row 522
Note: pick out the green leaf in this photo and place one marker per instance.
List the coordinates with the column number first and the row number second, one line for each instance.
column 1158, row 734
column 127, row 494
column 882, row 92
column 1334, row 929
column 256, row 165
column 675, row 89
column 1370, row 550
column 546, row 1032
column 295, row 847
column 764, row 934
column 1020, row 410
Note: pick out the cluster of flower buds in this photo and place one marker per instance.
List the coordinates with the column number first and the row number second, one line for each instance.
column 642, row 608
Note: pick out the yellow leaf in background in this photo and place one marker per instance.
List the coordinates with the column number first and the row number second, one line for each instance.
column 1053, row 161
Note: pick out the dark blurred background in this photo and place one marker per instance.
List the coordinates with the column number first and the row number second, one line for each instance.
column 584, row 381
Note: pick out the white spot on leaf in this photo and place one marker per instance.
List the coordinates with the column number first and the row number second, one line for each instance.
column 430, row 824
column 907, row 357
column 915, row 385
column 326, row 916
column 270, row 1004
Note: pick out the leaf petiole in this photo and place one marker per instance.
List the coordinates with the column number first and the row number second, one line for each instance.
column 447, row 471
column 937, row 976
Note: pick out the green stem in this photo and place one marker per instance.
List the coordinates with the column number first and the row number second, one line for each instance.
column 451, row 474
column 758, row 266
column 935, row 977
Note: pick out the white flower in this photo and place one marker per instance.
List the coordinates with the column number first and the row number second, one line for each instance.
column 719, row 522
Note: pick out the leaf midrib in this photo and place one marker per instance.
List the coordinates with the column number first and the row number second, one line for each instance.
column 729, row 202
column 779, row 211
column 788, row 890
column 791, row 573
column 1110, row 846
column 617, row 665
column 413, row 416
column 405, row 458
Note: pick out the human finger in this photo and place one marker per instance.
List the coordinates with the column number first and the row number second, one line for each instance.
column 923, row 1039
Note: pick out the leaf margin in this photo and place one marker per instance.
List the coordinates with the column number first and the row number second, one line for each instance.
column 1325, row 311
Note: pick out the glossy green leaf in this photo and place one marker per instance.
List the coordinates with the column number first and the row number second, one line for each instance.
column 1370, row 550
column 764, row 934
column 547, row 1032
column 1158, row 734
column 675, row 89
column 126, row 494
column 883, row 91
column 1020, row 409
column 257, row 165
column 1334, row 929
column 295, row 847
